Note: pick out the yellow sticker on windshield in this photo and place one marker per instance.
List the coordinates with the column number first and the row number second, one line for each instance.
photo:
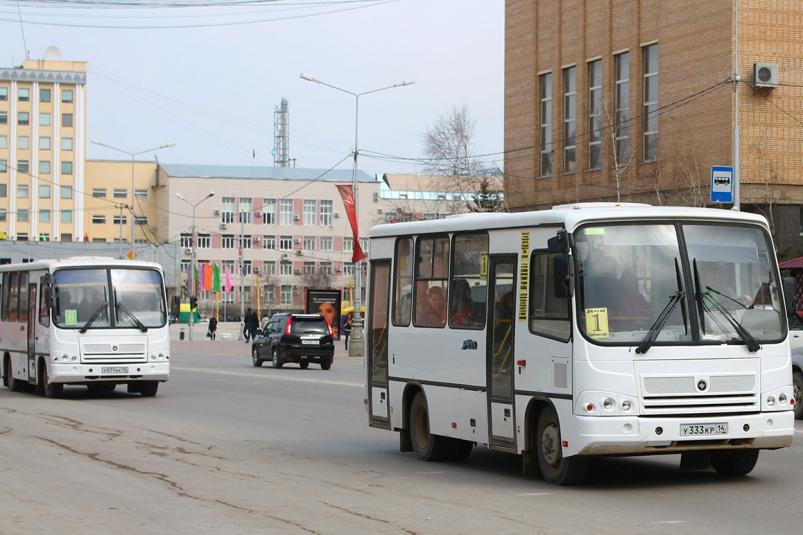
column 71, row 316
column 597, row 322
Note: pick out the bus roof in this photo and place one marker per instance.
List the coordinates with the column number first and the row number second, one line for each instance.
column 569, row 216
column 78, row 261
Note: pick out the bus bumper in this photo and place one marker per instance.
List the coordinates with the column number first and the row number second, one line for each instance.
column 90, row 373
column 634, row 435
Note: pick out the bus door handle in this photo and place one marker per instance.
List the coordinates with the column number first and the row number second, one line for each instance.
column 469, row 344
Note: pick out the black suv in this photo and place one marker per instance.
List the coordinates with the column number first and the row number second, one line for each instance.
column 301, row 338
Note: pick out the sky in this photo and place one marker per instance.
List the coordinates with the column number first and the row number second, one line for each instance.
column 212, row 90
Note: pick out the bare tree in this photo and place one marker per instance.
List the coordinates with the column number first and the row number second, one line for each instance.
column 620, row 151
column 317, row 279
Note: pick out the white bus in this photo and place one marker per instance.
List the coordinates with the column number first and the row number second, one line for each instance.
column 585, row 330
column 97, row 322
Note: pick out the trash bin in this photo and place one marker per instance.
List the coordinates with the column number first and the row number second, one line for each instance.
column 181, row 334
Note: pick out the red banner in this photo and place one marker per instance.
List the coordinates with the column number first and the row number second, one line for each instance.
column 347, row 194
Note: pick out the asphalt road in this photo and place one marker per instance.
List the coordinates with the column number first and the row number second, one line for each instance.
column 228, row 448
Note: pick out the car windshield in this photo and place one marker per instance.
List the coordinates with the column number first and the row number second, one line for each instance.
column 309, row 326
column 629, row 274
column 80, row 294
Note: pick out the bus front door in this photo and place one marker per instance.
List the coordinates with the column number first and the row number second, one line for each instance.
column 499, row 353
column 377, row 344
column 32, row 315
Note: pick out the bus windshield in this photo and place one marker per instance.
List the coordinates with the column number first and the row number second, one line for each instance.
column 631, row 275
column 135, row 300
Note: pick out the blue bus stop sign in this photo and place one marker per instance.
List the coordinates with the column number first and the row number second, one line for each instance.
column 722, row 184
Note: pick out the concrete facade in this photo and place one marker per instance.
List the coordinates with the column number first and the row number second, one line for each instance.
column 694, row 113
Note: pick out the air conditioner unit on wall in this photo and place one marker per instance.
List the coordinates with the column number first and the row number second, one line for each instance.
column 215, row 212
column 285, row 256
column 336, row 215
column 296, row 217
column 223, row 226
column 766, row 75
column 187, row 250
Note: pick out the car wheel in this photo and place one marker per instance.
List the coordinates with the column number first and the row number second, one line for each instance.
column 255, row 360
column 734, row 463
column 304, row 364
column 427, row 447
column 556, row 468
column 797, row 385
column 149, row 389
column 277, row 361
column 326, row 364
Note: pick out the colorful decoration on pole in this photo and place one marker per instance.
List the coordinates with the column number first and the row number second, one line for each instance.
column 347, row 194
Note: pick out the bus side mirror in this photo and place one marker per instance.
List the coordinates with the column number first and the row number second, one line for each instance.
column 558, row 243
column 560, row 276
column 790, row 298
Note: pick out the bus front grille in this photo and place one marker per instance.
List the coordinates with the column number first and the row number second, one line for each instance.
column 701, row 404
column 113, row 358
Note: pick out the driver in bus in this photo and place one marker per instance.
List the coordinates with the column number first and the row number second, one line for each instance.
column 92, row 300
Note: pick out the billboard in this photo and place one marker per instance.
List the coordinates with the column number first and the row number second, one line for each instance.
column 327, row 304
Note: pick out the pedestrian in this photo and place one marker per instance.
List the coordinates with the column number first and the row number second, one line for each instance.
column 247, row 325
column 253, row 325
column 347, row 330
column 212, row 328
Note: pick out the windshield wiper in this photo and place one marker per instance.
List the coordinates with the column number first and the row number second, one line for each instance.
column 749, row 340
column 138, row 323
column 659, row 322
column 729, row 298
column 92, row 318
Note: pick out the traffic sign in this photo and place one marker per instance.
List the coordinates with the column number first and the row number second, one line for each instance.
column 722, row 184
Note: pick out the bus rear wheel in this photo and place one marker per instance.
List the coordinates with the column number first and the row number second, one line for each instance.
column 427, row 447
column 149, row 388
column 556, row 468
column 12, row 384
column 734, row 463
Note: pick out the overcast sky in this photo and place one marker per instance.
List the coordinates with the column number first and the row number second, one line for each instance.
column 212, row 91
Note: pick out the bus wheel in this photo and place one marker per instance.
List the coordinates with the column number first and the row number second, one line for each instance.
column 427, row 447
column 149, row 388
column 734, row 463
column 12, row 384
column 277, row 361
column 797, row 385
column 50, row 390
column 255, row 358
column 556, row 468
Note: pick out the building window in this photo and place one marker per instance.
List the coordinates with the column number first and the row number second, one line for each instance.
column 269, row 267
column 348, row 244
column 3, row 142
column 326, row 215
column 44, row 191
column 309, row 268
column 23, row 142
column 650, row 103
column 245, row 210
column 269, row 242
column 118, row 193
column 66, row 236
column 622, row 96
column 595, row 114
column 326, row 243
column 3, row 93
column 141, row 193
column 23, row 166
column 3, row 117
column 66, row 216
column 286, row 212
column 569, row 119
column 285, row 268
column 24, row 94
column 66, row 95
column 44, row 216
column 286, row 243
column 326, row 268
column 3, row 191
column 45, row 94
column 185, row 240
column 545, row 83
column 309, row 243
column 22, row 216
column 44, row 143
column 227, row 210
column 141, row 220
column 268, row 211
column 66, row 168
column 66, row 143
column 204, row 241
column 348, row 270
column 99, row 193
column 44, row 119
column 3, row 166
column 228, row 241
column 120, row 220
column 66, row 192
column 268, row 294
column 309, row 212
column 246, row 267
column 286, row 294
column 23, row 118
column 22, row 191
column 98, row 219
column 3, row 215
column 22, row 236
column 44, row 167
column 245, row 241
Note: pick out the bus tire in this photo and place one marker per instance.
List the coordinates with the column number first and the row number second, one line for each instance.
column 149, row 388
column 556, row 468
column 734, row 463
column 797, row 386
column 427, row 447
column 48, row 389
column 13, row 384
column 460, row 450
column 255, row 360
column 277, row 360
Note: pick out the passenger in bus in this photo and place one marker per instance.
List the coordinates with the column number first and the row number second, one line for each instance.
column 461, row 306
column 629, row 308
column 432, row 312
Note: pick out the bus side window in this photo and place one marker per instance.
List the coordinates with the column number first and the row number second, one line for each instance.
column 13, row 296
column 44, row 317
column 549, row 303
column 403, row 285
column 468, row 290
column 4, row 297
column 431, row 277
column 22, row 314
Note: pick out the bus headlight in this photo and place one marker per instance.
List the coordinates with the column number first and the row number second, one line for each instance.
column 591, row 403
column 779, row 399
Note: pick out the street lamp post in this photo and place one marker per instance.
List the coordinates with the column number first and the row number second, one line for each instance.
column 194, row 240
column 357, row 342
column 132, row 155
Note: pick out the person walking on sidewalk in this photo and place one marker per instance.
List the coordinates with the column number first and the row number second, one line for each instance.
column 347, row 330
column 212, row 329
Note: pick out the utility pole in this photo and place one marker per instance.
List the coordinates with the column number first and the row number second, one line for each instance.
column 737, row 157
column 192, row 261
column 120, row 239
column 242, row 296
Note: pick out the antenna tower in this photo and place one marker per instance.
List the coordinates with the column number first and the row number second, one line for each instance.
column 281, row 135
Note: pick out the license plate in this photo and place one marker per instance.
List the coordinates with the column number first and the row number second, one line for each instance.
column 703, row 430
column 114, row 370
column 310, row 342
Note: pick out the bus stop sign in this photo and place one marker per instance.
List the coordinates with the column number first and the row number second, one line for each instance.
column 721, row 184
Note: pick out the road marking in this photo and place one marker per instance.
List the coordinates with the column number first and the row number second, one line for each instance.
column 535, row 494
column 272, row 377
column 670, row 522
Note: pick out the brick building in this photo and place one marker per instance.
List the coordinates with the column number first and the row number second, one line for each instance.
column 634, row 99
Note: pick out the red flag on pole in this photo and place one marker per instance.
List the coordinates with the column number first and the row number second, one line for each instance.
column 347, row 194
